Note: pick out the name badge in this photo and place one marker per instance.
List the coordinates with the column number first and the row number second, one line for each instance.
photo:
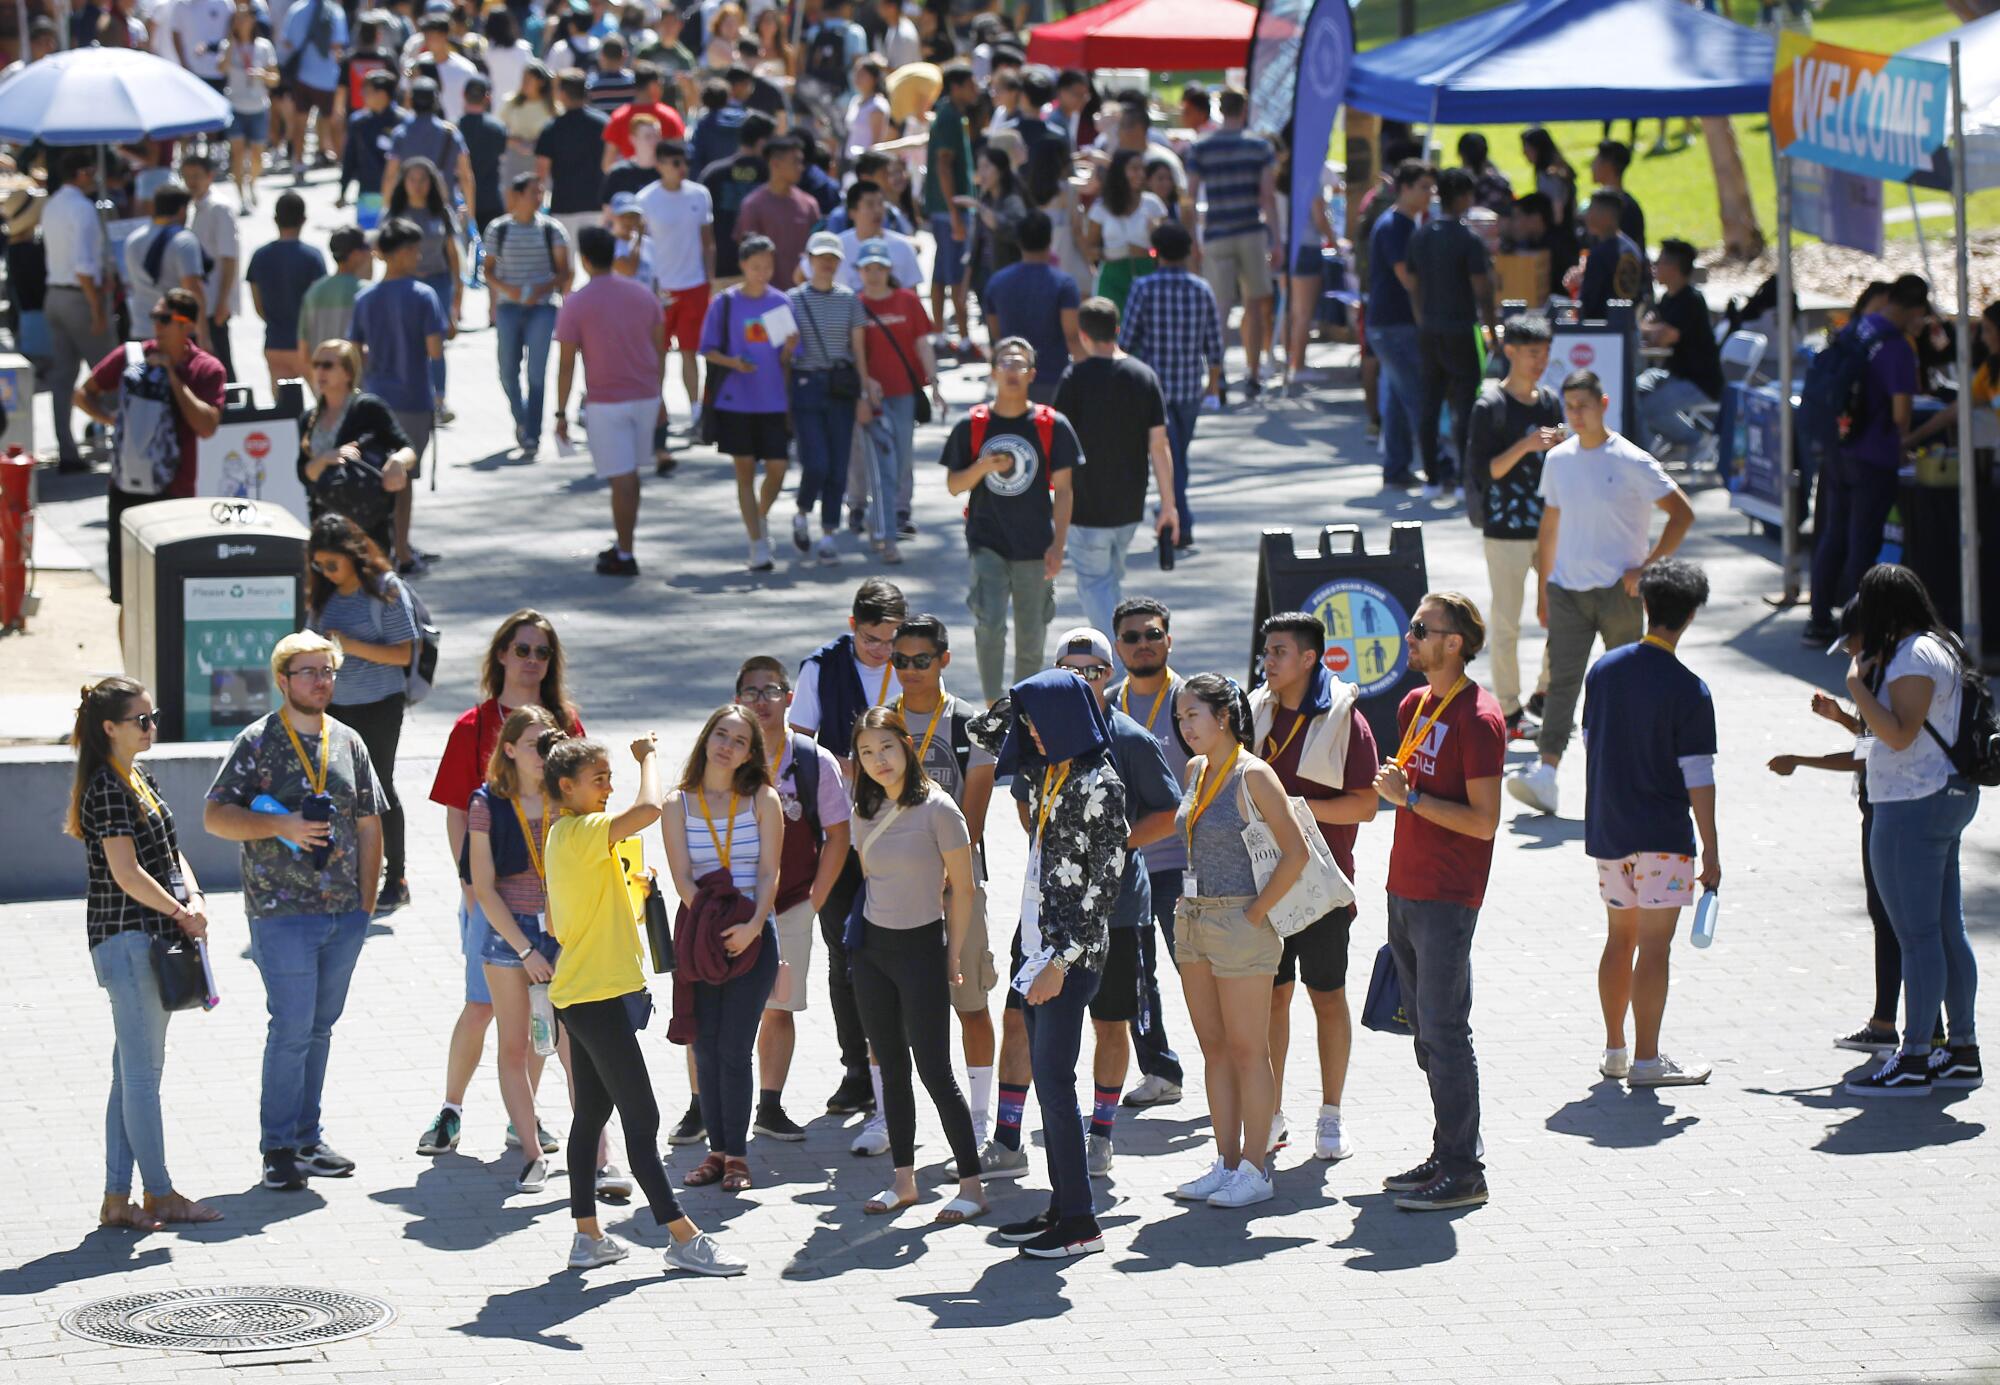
column 1190, row 887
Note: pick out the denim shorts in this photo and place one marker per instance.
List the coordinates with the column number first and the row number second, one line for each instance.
column 252, row 127
column 496, row 951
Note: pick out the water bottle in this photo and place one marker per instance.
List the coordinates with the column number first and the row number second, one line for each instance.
column 1704, row 918
column 541, row 1020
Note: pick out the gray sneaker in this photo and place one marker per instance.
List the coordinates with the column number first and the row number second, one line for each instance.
column 1099, row 1154
column 995, row 1161
column 586, row 1254
column 702, row 1255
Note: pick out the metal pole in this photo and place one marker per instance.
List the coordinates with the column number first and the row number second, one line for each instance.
column 1968, row 480
column 1787, row 431
column 1917, row 225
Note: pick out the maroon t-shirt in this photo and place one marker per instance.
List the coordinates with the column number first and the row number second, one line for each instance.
column 206, row 381
column 1357, row 771
column 1468, row 742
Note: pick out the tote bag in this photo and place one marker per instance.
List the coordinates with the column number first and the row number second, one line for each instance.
column 1320, row 888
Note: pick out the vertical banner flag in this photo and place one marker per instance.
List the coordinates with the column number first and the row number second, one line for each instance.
column 1300, row 53
column 1867, row 113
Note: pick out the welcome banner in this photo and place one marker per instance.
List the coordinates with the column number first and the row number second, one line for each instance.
column 1866, row 113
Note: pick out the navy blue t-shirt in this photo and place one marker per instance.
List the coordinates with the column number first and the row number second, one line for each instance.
column 1029, row 300
column 1643, row 710
column 1388, row 243
column 391, row 320
column 1149, row 788
column 281, row 272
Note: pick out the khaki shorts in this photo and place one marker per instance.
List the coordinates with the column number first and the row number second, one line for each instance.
column 1215, row 932
column 796, row 927
column 1238, row 268
column 975, row 961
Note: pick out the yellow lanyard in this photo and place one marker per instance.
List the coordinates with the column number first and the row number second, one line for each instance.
column 1125, row 698
column 536, row 846
column 1206, row 788
column 1271, row 742
column 325, row 740
column 141, row 790
column 936, row 717
column 724, row 842
column 1051, row 786
column 1658, row 643
column 882, row 694
column 1419, row 728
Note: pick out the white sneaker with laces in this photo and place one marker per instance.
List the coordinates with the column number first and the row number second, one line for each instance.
column 873, row 1139
column 1206, row 1186
column 586, row 1254
column 1330, row 1140
column 1616, row 1064
column 1098, row 1155
column 1665, row 1072
column 613, row 1181
column 1247, row 1185
column 1535, row 786
column 701, row 1255
column 1153, row 1091
column 534, row 1176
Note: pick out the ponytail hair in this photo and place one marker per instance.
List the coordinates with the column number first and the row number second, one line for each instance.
column 99, row 702
column 1224, row 697
column 565, row 757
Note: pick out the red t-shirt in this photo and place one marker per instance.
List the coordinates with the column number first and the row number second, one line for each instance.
column 1357, row 771
column 618, row 130
column 901, row 317
column 1469, row 742
column 466, row 751
column 206, row 380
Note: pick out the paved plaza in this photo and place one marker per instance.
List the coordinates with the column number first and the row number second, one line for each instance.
column 1764, row 1226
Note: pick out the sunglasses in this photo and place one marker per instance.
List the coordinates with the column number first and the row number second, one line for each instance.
column 540, row 653
column 326, row 569
column 770, row 692
column 164, row 317
column 1421, row 631
column 146, row 721
column 919, row 662
column 326, row 365
column 1152, row 634
column 1090, row 673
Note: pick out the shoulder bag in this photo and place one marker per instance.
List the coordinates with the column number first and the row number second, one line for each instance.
column 843, row 378
column 851, row 932
column 1321, row 887
column 923, row 410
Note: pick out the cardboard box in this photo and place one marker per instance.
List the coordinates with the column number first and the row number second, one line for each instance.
column 1523, row 276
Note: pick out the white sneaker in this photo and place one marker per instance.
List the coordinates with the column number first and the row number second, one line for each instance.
column 1281, row 1132
column 829, row 552
column 586, row 1254
column 534, row 1176
column 1153, row 1091
column 701, row 1255
column 1330, row 1141
column 873, row 1139
column 1206, row 1186
column 1617, row 1062
column 1098, row 1155
column 1247, row 1184
column 1535, row 786
column 1665, row 1072
column 1432, row 491
column 802, row 538
column 614, row 1182
column 995, row 1161
column 760, row 555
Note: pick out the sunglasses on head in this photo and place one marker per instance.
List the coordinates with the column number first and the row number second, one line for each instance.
column 146, row 721
column 1152, row 634
column 540, row 653
column 1421, row 631
column 919, row 662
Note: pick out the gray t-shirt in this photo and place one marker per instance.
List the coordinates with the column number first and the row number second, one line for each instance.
column 903, row 863
column 1169, row 853
column 179, row 261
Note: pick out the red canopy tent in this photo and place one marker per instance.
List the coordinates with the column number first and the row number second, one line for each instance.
column 1160, row 35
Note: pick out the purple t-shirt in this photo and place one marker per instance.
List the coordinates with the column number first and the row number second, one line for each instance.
column 1892, row 370
column 763, row 390
column 613, row 320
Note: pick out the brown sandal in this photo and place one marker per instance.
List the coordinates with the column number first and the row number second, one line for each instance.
column 736, row 1175
column 178, row 1210
column 708, row 1171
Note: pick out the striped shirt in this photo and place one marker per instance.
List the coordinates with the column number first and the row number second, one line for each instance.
column 1172, row 325
column 108, row 809
column 826, row 326
column 1231, row 164
column 524, row 252
column 366, row 618
column 704, row 848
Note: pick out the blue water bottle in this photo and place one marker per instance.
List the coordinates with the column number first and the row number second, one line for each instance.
column 1704, row 918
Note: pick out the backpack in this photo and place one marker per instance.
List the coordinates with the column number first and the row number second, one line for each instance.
column 423, row 646
column 149, row 450
column 548, row 238
column 1976, row 755
column 1045, row 426
column 156, row 253
column 805, row 778
column 1833, row 398
column 826, row 55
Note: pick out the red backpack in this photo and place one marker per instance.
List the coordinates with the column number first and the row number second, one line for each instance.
column 1045, row 426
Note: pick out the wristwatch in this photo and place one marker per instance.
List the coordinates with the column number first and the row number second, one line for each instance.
column 1414, row 797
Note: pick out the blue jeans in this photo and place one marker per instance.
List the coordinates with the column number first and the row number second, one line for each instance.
column 1055, row 1036
column 824, row 427
column 892, row 449
column 1181, row 417
column 727, row 1017
column 1664, row 402
column 1097, row 557
column 524, row 331
column 1913, row 847
column 1857, row 499
column 1150, row 1048
column 1431, row 941
column 1400, row 350
column 306, row 961
column 132, row 1129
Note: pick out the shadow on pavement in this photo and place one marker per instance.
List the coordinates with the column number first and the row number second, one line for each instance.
column 1204, row 1237
column 847, row 1238
column 1538, row 831
column 532, row 1314
column 1007, row 1292
column 1882, row 1125
column 462, row 1204
column 1615, row 1117
column 1390, row 1239
column 103, row 1250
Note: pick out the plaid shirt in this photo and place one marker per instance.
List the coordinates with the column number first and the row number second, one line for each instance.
column 1171, row 324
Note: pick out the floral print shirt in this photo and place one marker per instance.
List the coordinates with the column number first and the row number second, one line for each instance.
column 1083, row 859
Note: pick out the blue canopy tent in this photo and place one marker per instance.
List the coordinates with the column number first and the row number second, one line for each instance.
column 1535, row 61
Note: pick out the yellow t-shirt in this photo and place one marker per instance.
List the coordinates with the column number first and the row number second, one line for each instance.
column 590, row 912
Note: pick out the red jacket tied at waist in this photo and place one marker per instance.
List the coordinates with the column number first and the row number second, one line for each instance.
column 698, row 949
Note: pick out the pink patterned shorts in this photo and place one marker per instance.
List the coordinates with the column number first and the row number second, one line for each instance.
column 1647, row 880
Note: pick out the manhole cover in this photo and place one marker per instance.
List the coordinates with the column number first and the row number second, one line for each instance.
column 228, row 1318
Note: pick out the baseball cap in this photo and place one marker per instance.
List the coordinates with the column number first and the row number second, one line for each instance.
column 826, row 243
column 1083, row 640
column 623, row 202
column 874, row 251
column 1849, row 624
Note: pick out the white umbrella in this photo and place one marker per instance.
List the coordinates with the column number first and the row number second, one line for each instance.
column 106, row 96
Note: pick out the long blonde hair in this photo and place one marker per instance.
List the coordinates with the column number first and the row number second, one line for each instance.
column 503, row 776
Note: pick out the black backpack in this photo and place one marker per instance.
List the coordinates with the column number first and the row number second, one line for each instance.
column 826, row 55
column 805, row 778
column 1976, row 755
column 1833, row 398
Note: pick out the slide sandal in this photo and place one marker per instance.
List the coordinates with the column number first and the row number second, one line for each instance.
column 885, row 1203
column 735, row 1175
column 708, row 1171
column 959, row 1209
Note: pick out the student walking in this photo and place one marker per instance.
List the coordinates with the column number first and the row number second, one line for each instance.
column 528, row 267
column 750, row 397
column 1171, row 324
column 400, row 326
column 830, row 391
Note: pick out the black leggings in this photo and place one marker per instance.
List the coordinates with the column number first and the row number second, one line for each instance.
column 727, row 1017
column 380, row 726
column 839, row 975
column 609, row 1069
column 905, row 999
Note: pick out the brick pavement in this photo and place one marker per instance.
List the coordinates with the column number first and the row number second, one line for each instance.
column 1764, row 1227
